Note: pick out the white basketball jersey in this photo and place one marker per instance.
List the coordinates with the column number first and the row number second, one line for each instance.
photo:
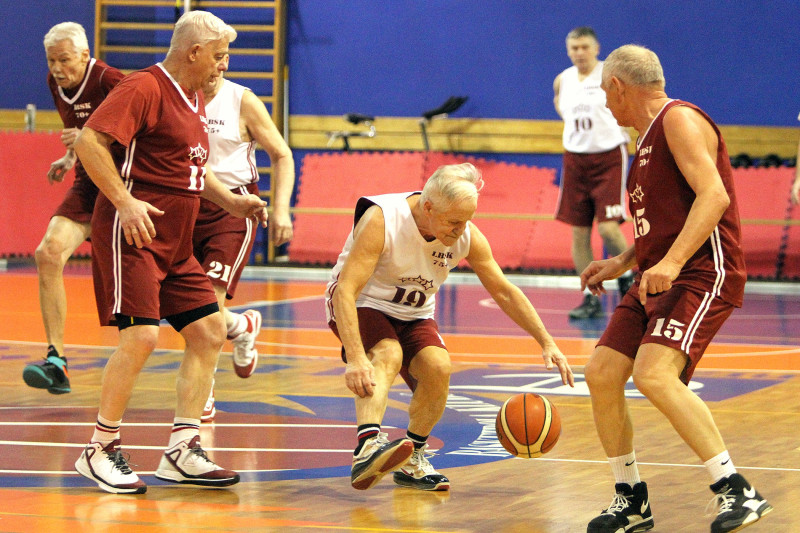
column 230, row 158
column 589, row 127
column 410, row 269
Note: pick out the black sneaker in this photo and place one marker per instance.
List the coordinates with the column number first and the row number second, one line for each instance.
column 50, row 374
column 738, row 504
column 624, row 283
column 590, row 308
column 629, row 511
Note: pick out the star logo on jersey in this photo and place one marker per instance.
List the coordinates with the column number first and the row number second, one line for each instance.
column 426, row 284
column 637, row 195
column 198, row 154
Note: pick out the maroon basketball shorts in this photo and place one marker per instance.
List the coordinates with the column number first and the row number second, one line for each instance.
column 681, row 318
column 163, row 278
column 78, row 203
column 413, row 336
column 223, row 242
column 593, row 187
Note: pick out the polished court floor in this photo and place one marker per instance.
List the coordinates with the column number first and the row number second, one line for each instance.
column 289, row 429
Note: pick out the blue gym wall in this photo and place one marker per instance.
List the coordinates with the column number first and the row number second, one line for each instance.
column 738, row 59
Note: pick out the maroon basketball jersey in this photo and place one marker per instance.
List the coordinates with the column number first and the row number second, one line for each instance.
column 161, row 133
column 660, row 199
column 75, row 105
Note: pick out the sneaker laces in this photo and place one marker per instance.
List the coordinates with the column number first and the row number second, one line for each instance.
column 618, row 504
column 721, row 502
column 201, row 453
column 120, row 461
column 420, row 459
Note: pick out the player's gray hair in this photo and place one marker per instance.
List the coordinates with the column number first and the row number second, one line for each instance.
column 199, row 27
column 634, row 64
column 451, row 184
column 67, row 31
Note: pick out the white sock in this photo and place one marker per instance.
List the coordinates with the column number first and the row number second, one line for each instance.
column 625, row 469
column 238, row 325
column 105, row 430
column 183, row 429
column 720, row 466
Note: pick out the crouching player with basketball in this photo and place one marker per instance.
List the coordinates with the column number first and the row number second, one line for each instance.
column 687, row 247
column 380, row 303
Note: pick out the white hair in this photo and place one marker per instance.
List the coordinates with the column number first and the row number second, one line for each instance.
column 199, row 27
column 634, row 64
column 451, row 184
column 67, row 31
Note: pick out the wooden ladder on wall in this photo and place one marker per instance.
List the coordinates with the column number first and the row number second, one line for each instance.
column 134, row 34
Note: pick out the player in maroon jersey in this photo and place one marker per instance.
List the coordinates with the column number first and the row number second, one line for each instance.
column 687, row 249
column 146, row 147
column 79, row 83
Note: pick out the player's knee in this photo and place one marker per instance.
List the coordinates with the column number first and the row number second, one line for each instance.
column 601, row 375
column 647, row 382
column 609, row 231
column 387, row 356
column 49, row 254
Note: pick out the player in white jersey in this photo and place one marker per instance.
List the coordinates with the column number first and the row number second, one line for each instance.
column 237, row 120
column 595, row 162
column 380, row 303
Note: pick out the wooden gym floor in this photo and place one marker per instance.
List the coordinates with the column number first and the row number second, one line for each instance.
column 289, row 429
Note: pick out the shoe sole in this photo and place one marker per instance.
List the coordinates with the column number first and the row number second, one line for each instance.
column 646, row 525
column 105, row 486
column 246, row 371
column 375, row 471
column 407, row 481
column 750, row 523
column 34, row 377
column 180, row 478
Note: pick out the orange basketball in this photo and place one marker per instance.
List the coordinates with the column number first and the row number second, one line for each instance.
column 528, row 425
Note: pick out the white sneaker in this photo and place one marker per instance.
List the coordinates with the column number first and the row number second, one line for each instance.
column 186, row 462
column 245, row 356
column 210, row 410
column 107, row 467
column 419, row 473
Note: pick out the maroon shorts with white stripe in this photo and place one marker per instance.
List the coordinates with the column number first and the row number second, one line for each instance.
column 593, row 187
column 159, row 280
column 413, row 336
column 680, row 318
column 222, row 242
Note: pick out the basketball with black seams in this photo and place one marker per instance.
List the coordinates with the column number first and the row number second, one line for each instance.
column 528, row 425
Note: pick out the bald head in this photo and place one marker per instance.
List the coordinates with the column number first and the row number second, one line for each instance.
column 634, row 65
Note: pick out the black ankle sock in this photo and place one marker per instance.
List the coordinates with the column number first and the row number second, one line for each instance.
column 418, row 440
column 366, row 432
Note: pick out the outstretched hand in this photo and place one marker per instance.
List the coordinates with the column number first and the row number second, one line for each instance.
column 553, row 357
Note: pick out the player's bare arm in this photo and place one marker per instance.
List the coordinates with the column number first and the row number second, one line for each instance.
column 93, row 149
column 258, row 125
column 556, row 90
column 513, row 302
column 368, row 240
column 599, row 271
column 242, row 206
column 693, row 144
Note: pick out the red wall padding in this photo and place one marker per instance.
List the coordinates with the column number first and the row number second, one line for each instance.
column 28, row 200
column 339, row 179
